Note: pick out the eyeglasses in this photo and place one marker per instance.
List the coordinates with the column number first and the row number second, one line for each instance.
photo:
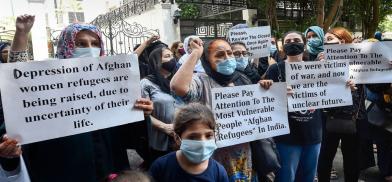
column 239, row 53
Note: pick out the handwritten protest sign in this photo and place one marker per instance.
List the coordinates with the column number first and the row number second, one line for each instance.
column 49, row 99
column 248, row 113
column 256, row 39
column 369, row 61
column 318, row 85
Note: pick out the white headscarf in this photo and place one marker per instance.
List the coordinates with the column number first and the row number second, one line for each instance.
column 198, row 68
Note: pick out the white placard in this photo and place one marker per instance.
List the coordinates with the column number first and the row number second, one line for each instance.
column 248, row 113
column 49, row 99
column 256, row 39
column 318, row 84
column 369, row 61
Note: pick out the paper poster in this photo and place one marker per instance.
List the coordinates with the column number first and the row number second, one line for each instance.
column 248, row 113
column 43, row 100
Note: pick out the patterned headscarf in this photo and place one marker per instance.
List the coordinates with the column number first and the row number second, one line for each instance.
column 67, row 38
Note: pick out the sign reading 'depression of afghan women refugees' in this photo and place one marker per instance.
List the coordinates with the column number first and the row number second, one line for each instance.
column 318, row 84
column 256, row 39
column 43, row 100
column 370, row 62
column 248, row 113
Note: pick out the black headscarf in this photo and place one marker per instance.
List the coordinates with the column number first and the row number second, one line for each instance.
column 223, row 80
column 155, row 65
column 143, row 58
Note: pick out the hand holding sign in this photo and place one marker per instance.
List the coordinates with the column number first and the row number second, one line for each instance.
column 9, row 148
column 352, row 85
column 266, row 84
column 146, row 105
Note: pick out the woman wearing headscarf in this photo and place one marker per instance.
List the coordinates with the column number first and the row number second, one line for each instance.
column 12, row 167
column 4, row 49
column 314, row 42
column 220, row 71
column 188, row 50
column 156, row 86
column 83, row 157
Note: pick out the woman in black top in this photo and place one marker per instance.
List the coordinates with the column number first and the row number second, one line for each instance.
column 298, row 150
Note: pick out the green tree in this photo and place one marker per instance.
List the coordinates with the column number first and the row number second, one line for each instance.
column 386, row 25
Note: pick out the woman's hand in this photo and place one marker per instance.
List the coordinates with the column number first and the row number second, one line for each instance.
column 23, row 26
column 321, row 57
column 290, row 91
column 9, row 148
column 146, row 105
column 152, row 39
column 266, row 84
column 24, row 23
column 351, row 84
column 197, row 47
column 167, row 128
column 145, row 44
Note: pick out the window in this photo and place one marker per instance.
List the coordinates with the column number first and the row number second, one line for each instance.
column 75, row 17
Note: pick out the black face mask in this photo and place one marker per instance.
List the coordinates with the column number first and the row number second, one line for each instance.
column 293, row 48
column 333, row 43
column 170, row 65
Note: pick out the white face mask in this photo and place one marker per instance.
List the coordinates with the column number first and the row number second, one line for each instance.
column 86, row 52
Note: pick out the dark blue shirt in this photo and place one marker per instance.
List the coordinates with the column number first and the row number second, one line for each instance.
column 167, row 168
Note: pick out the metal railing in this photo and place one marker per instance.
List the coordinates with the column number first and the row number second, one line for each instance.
column 133, row 7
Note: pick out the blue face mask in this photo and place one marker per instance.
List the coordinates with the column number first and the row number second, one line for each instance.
column 315, row 42
column 198, row 151
column 86, row 52
column 273, row 49
column 226, row 67
column 314, row 45
column 242, row 63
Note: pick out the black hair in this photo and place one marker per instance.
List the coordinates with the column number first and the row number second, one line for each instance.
column 296, row 32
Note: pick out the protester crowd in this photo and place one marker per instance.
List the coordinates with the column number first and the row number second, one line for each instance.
column 177, row 137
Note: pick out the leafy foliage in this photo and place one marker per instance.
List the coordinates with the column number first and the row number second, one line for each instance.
column 189, row 11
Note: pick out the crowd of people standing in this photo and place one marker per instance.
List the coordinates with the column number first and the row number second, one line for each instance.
column 177, row 137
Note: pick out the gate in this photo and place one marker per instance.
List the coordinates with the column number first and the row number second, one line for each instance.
column 119, row 36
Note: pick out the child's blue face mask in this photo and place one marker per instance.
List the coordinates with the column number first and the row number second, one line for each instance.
column 198, row 151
